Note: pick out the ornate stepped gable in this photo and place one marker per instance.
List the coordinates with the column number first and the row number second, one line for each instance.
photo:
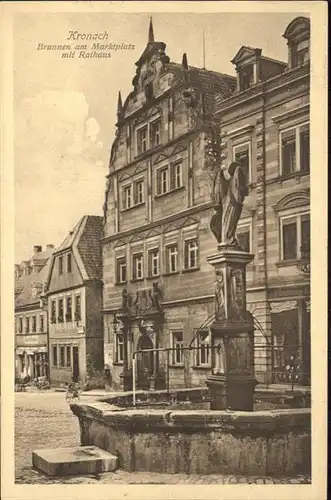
column 197, row 86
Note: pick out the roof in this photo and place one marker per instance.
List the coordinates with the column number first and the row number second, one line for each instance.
column 32, row 288
column 89, row 246
column 208, row 82
column 39, row 258
column 84, row 242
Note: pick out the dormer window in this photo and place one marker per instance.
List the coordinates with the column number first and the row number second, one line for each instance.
column 246, row 77
column 297, row 35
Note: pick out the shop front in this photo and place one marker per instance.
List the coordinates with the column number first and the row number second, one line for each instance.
column 290, row 323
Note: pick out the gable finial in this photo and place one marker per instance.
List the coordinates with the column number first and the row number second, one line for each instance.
column 150, row 31
column 119, row 104
column 184, row 62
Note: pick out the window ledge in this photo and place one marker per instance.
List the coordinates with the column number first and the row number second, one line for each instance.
column 133, row 207
column 201, row 367
column 294, row 175
column 169, row 192
column 171, row 274
column 153, row 277
column 177, row 366
column 191, row 270
column 286, row 263
column 119, row 283
column 137, row 279
column 118, row 363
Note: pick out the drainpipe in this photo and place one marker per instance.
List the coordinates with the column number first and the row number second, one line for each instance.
column 264, row 176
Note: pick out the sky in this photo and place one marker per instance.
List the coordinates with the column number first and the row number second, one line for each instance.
column 65, row 109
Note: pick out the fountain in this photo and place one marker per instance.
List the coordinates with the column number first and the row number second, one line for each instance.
column 228, row 437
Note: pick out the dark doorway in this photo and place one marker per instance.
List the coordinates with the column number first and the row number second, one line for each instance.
column 75, row 364
column 145, row 362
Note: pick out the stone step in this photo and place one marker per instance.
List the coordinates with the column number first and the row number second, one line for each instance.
column 77, row 460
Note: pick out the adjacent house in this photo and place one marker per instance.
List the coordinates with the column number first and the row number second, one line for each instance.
column 74, row 298
column 31, row 315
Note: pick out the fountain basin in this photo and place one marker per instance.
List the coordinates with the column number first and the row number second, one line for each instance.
column 167, row 440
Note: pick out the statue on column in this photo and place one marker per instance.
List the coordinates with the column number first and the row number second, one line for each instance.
column 229, row 193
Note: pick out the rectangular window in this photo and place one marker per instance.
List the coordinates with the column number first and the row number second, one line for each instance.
column 78, row 312
column 288, row 152
column 68, row 353
column 20, row 325
column 242, row 156
column 304, row 148
column 137, row 266
column 54, row 355
column 142, row 140
column 162, row 180
column 69, row 262
column 172, row 258
column 121, row 270
column 127, row 196
column 176, row 175
column 41, row 323
column 246, row 77
column 244, row 238
column 119, row 351
column 154, row 262
column 295, row 149
column 53, row 311
column 191, row 251
column 34, row 323
column 203, row 348
column 69, row 309
column 155, row 133
column 300, row 53
column 27, row 325
column 177, row 348
column 62, row 355
column 60, row 316
column 60, row 265
column 295, row 236
column 139, row 192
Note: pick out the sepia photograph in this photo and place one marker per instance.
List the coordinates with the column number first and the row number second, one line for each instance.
column 163, row 224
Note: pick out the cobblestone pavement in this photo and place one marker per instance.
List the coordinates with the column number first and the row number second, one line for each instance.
column 44, row 420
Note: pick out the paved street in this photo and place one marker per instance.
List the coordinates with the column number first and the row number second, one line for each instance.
column 44, row 420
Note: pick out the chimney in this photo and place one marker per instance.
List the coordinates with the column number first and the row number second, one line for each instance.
column 37, row 249
column 49, row 247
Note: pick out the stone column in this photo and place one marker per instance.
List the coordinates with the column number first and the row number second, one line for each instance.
column 232, row 381
column 127, row 373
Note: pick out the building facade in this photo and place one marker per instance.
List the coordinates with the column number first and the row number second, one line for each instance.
column 31, row 318
column 265, row 127
column 173, row 131
column 74, row 298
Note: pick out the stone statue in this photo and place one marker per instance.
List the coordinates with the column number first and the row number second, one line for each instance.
column 219, row 295
column 233, row 203
column 155, row 296
column 229, row 193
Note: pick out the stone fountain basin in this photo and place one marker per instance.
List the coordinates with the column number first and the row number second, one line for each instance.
column 269, row 442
